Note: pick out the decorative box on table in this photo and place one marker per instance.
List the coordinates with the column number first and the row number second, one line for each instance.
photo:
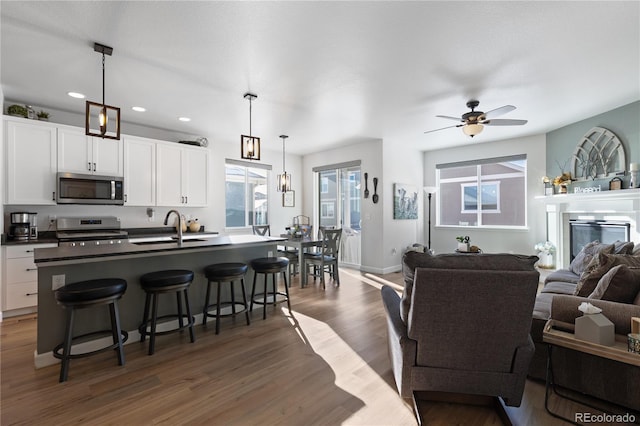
column 595, row 328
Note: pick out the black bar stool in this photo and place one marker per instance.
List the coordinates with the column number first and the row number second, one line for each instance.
column 219, row 273
column 85, row 294
column 270, row 265
column 170, row 281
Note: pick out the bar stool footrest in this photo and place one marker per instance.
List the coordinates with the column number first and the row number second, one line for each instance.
column 283, row 298
column 240, row 308
column 143, row 328
column 82, row 339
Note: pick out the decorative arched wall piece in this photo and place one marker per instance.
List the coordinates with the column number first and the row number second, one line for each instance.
column 599, row 154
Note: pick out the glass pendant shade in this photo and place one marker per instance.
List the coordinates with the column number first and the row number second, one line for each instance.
column 249, row 147
column 472, row 129
column 102, row 120
column 284, row 182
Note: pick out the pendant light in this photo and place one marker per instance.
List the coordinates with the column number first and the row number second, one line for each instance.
column 250, row 145
column 284, row 179
column 105, row 118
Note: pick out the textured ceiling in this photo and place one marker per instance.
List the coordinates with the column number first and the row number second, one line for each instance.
column 327, row 73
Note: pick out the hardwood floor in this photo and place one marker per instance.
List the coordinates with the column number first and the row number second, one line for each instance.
column 326, row 364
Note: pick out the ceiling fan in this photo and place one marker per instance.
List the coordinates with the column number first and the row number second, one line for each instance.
column 473, row 122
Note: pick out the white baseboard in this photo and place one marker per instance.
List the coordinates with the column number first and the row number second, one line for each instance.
column 46, row 359
column 381, row 271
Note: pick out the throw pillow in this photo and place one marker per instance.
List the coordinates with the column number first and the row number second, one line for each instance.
column 579, row 263
column 623, row 247
column 620, row 284
column 599, row 266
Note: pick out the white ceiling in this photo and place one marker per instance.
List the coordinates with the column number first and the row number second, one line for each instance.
column 327, row 73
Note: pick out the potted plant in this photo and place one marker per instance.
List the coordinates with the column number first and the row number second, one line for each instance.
column 43, row 116
column 17, row 111
column 545, row 253
column 463, row 243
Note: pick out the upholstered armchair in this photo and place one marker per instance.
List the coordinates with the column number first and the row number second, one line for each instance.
column 464, row 331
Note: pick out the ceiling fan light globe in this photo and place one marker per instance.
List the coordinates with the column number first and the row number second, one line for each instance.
column 472, row 129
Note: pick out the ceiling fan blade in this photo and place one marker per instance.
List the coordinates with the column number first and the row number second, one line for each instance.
column 442, row 128
column 499, row 111
column 503, row 122
column 448, row 117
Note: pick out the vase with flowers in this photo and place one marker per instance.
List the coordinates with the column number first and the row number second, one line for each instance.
column 545, row 250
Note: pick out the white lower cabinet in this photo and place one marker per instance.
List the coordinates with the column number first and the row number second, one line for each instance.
column 20, row 283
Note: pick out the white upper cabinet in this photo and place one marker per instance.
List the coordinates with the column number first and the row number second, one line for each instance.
column 139, row 171
column 182, row 175
column 30, row 162
column 196, row 175
column 79, row 153
column 155, row 172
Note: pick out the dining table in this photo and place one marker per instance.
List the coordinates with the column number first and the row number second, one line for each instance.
column 302, row 245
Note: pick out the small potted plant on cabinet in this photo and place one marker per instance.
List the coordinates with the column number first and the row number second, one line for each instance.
column 17, row 111
column 43, row 116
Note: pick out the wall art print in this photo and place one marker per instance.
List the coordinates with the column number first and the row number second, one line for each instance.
column 405, row 201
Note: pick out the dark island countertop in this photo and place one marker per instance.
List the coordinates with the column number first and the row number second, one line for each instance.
column 61, row 255
column 129, row 261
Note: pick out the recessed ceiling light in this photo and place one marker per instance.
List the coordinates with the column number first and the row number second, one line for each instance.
column 76, row 95
column 184, row 119
column 138, row 109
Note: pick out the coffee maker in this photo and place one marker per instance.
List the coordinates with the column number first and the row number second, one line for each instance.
column 33, row 226
column 24, row 226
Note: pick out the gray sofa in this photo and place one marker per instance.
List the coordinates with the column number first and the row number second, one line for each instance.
column 611, row 381
column 462, row 324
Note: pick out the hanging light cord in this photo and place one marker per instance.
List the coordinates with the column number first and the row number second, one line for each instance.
column 249, row 116
column 284, row 169
column 103, row 103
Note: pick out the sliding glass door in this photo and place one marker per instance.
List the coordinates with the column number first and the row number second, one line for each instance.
column 339, row 207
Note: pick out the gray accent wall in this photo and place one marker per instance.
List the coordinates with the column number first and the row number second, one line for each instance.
column 623, row 121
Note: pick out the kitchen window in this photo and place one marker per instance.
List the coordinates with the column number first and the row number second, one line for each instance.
column 488, row 193
column 246, row 194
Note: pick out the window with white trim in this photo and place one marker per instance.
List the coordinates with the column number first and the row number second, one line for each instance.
column 489, row 193
column 246, row 195
column 324, row 185
column 328, row 210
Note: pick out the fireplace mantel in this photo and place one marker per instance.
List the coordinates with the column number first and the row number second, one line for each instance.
column 620, row 205
column 622, row 194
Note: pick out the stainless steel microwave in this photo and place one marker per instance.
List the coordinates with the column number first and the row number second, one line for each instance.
column 75, row 188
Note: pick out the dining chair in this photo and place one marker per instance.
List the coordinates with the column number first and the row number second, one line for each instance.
column 264, row 230
column 326, row 261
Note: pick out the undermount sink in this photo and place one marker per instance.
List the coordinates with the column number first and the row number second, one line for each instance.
column 162, row 239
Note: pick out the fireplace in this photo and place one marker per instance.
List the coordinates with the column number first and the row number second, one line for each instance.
column 583, row 232
column 621, row 208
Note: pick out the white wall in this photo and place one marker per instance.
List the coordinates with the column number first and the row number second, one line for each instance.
column 405, row 166
column 369, row 152
column 491, row 240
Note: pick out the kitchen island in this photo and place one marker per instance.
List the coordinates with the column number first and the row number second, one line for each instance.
column 129, row 261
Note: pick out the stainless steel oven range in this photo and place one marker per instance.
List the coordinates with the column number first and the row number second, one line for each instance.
column 89, row 231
